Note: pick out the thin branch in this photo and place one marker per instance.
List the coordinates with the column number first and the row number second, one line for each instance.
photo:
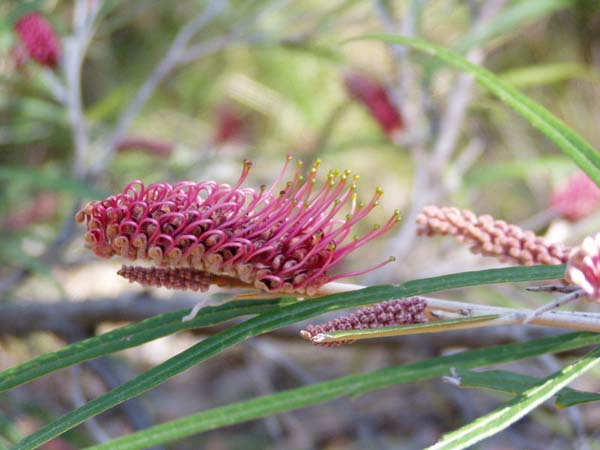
column 25, row 317
column 78, row 399
column 171, row 59
column 428, row 167
column 75, row 49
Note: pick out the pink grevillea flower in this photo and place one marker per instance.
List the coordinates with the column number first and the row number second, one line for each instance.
column 39, row 39
column 386, row 314
column 579, row 198
column 278, row 239
column 583, row 268
column 490, row 237
column 375, row 97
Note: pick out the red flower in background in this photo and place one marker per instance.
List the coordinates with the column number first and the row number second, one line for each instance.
column 374, row 95
column 152, row 146
column 39, row 39
column 579, row 198
column 230, row 124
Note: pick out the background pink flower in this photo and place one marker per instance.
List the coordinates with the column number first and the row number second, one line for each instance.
column 39, row 39
column 579, row 198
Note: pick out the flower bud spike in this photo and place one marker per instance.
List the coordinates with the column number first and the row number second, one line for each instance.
column 404, row 311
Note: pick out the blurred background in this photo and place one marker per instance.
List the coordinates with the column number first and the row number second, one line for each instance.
column 94, row 94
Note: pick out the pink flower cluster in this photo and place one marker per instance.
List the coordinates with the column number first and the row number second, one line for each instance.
column 386, row 314
column 151, row 146
column 372, row 94
column 490, row 237
column 579, row 198
column 39, row 39
column 230, row 125
column 278, row 239
column 583, row 268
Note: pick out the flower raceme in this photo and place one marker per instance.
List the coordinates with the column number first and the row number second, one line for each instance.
column 490, row 237
column 39, row 39
column 404, row 311
column 375, row 97
column 282, row 238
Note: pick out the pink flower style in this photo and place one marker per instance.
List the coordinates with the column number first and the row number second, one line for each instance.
column 371, row 93
column 583, row 267
column 579, row 198
column 39, row 39
column 281, row 239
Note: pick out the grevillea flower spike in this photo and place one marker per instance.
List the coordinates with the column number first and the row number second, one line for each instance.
column 490, row 237
column 39, row 40
column 284, row 238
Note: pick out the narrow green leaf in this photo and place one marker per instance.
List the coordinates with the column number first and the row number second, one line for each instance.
column 349, row 385
column 572, row 144
column 517, row 408
column 516, row 15
column 516, row 383
column 541, row 74
column 270, row 321
column 129, row 336
column 521, row 169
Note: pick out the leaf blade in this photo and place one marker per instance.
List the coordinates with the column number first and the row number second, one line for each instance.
column 317, row 393
column 510, row 412
column 270, row 321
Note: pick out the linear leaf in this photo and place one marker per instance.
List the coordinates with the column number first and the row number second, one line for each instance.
column 127, row 337
column 270, row 321
column 349, row 385
column 517, row 408
column 516, row 383
column 571, row 143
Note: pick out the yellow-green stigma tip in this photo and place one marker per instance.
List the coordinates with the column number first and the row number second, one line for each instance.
column 299, row 163
column 379, row 190
column 392, row 259
column 347, row 172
